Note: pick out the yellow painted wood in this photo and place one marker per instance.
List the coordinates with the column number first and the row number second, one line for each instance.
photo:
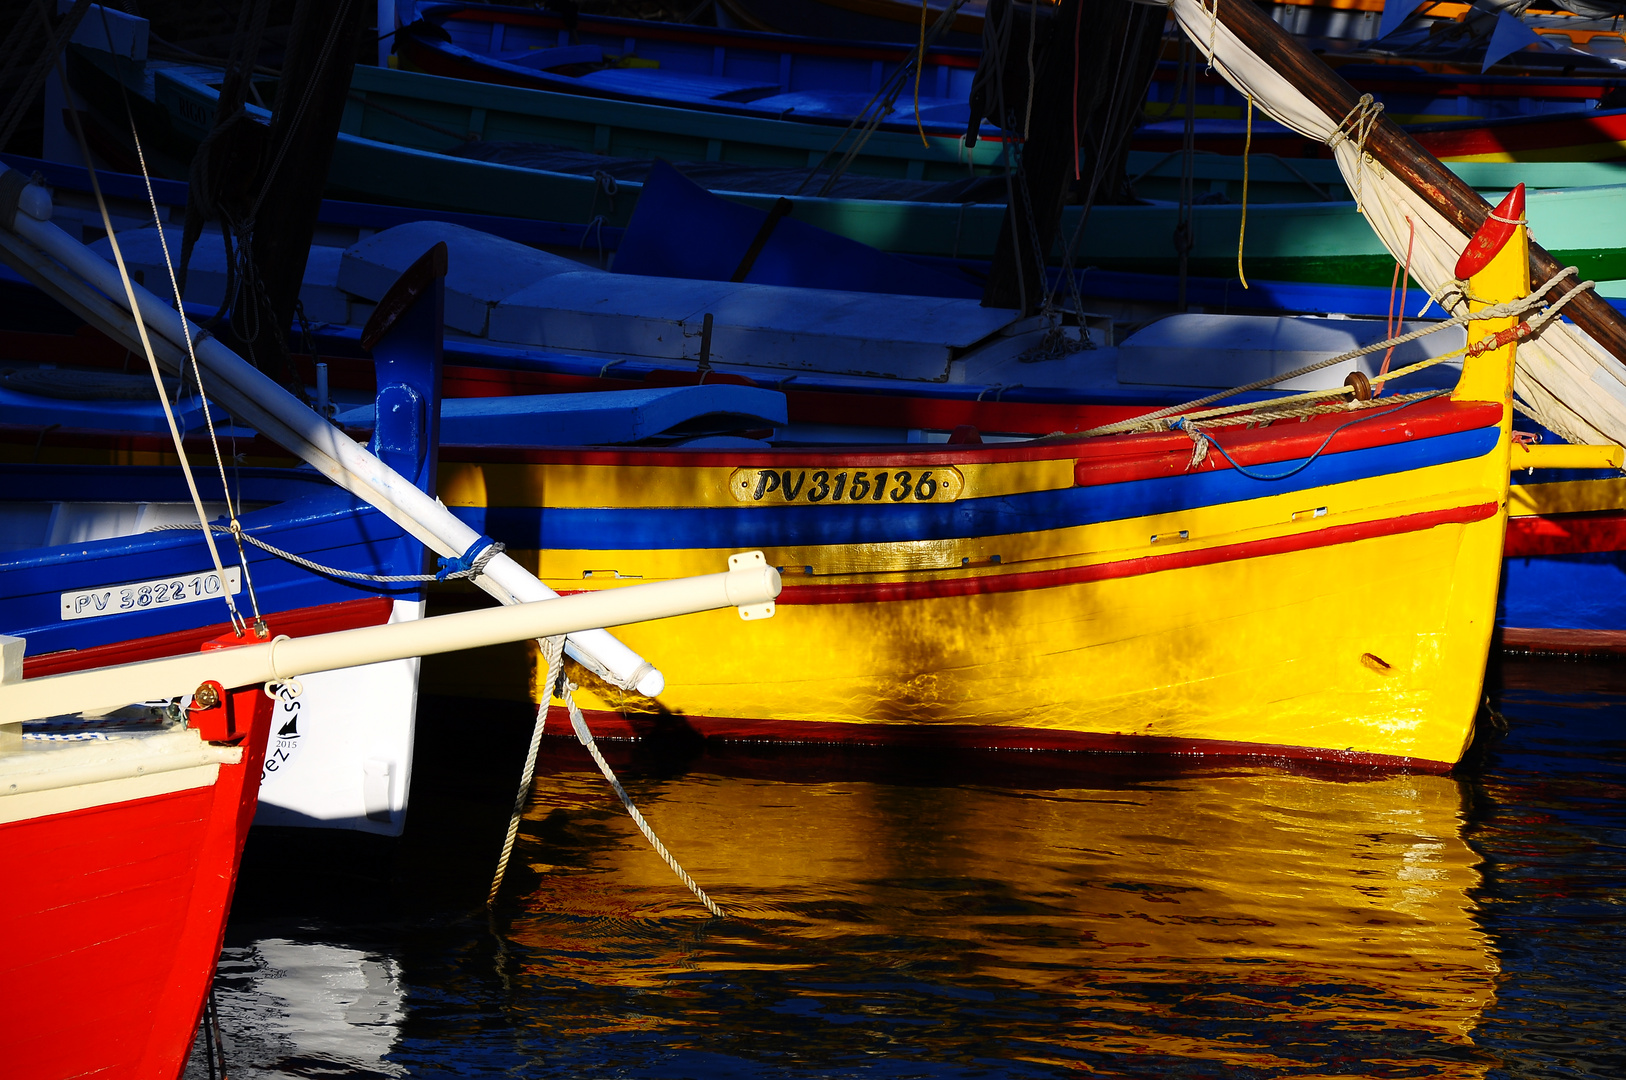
column 572, row 485
column 1296, row 649
column 1567, row 456
column 1207, row 527
column 1567, row 497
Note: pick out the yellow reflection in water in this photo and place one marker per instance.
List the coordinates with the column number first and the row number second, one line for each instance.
column 1280, row 899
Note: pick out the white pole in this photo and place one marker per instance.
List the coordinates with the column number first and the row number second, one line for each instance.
column 257, row 400
column 751, row 585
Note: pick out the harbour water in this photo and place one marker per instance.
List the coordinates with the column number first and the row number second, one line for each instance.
column 997, row 914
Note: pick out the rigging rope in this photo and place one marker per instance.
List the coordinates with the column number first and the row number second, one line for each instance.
column 232, row 510
column 1242, row 231
column 238, row 624
column 483, row 551
column 1510, row 309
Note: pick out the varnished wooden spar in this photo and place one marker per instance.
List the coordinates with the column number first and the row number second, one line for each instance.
column 1401, row 155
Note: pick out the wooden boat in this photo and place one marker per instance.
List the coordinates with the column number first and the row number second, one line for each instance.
column 698, row 67
column 1026, row 541
column 754, row 74
column 1071, row 396
column 1115, row 593
column 1577, row 136
column 1320, row 242
column 121, row 857
column 87, row 580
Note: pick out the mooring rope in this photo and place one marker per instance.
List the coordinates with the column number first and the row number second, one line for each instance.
column 553, row 653
column 238, row 624
column 553, row 650
column 582, row 733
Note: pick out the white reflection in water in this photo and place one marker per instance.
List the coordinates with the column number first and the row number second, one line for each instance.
column 296, row 1009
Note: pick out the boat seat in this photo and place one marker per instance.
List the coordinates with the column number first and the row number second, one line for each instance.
column 507, row 292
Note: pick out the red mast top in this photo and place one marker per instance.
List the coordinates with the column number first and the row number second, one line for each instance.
column 1492, row 235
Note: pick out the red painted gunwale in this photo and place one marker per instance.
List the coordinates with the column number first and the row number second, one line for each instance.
column 299, row 622
column 1103, row 461
column 111, row 920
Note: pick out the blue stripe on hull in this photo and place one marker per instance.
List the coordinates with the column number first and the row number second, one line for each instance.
column 1564, row 592
column 330, row 528
column 669, row 528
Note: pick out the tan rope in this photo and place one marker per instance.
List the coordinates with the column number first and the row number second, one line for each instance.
column 553, row 651
column 579, row 723
column 1360, row 120
column 920, row 62
column 238, row 624
column 1242, row 232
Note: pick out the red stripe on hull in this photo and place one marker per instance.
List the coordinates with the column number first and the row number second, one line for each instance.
column 1566, row 534
column 1570, row 642
column 610, row 725
column 111, row 919
column 301, row 622
column 885, row 592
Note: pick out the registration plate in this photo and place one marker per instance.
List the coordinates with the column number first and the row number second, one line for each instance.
column 833, row 487
column 148, row 595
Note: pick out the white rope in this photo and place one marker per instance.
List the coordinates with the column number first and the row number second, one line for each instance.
column 197, row 370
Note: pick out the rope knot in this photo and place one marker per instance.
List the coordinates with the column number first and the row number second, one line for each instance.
column 1199, row 440
column 472, row 563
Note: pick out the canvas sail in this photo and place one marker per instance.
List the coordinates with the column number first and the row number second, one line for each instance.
column 1567, row 380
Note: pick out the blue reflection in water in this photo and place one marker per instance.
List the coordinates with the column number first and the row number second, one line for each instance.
column 971, row 915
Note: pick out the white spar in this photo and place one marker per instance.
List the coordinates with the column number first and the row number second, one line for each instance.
column 257, row 400
column 750, row 585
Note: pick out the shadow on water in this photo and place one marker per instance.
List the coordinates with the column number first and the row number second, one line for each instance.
column 969, row 914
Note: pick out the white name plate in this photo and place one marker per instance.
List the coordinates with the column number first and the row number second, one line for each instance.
column 148, row 595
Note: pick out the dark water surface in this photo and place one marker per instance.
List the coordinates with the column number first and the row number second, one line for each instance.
column 975, row 915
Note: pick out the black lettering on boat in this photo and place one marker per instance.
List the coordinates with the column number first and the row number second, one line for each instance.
column 792, row 492
column 820, row 488
column 860, row 485
column 903, row 490
column 767, row 480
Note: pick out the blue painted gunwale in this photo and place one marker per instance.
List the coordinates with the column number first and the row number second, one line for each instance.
column 325, row 524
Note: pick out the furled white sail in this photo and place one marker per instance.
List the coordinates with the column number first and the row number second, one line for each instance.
column 1569, row 382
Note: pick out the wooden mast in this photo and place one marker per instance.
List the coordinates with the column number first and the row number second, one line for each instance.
column 1400, row 154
